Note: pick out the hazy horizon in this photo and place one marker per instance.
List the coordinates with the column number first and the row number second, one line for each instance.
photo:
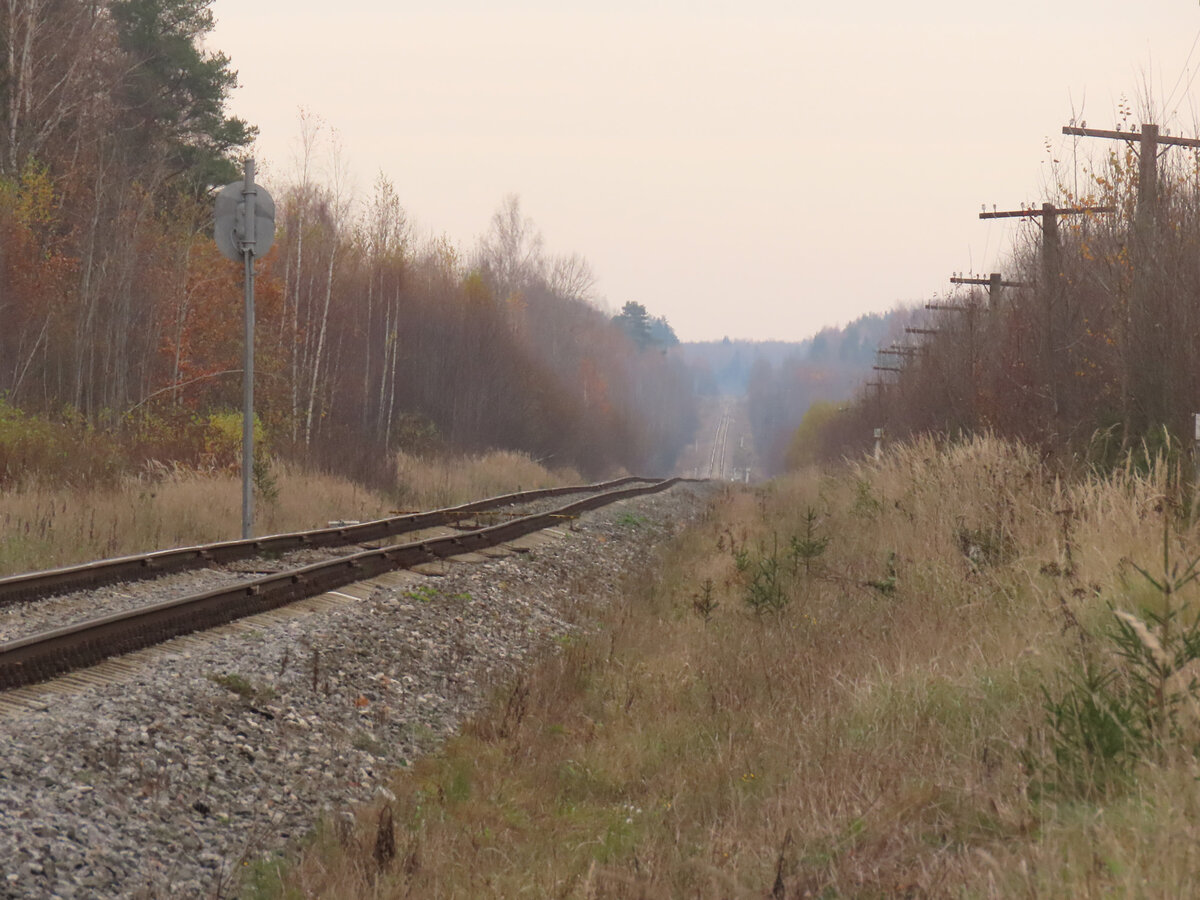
column 755, row 170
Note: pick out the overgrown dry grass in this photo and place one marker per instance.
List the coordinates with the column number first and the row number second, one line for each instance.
column 878, row 731
column 44, row 527
column 423, row 481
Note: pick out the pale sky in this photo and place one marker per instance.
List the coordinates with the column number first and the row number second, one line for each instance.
column 756, row 169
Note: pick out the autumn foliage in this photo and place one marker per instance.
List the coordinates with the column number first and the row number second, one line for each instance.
column 1094, row 352
column 119, row 317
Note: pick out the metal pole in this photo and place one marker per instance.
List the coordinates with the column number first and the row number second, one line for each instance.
column 249, row 194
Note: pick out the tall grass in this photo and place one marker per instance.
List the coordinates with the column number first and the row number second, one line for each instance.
column 44, row 527
column 881, row 733
column 423, row 481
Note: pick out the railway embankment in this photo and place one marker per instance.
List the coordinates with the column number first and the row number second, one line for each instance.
column 170, row 771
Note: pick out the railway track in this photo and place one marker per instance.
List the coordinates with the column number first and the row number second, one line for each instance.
column 40, row 656
column 35, row 585
column 717, row 463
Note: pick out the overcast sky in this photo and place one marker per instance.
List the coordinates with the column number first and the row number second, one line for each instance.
column 756, row 169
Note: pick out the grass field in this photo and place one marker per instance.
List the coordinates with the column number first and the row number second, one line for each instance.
column 903, row 679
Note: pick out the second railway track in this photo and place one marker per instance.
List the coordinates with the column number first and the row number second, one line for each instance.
column 718, row 464
column 43, row 655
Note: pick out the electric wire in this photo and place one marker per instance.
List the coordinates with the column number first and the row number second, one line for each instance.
column 1183, row 71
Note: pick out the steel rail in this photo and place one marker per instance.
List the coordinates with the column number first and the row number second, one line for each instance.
column 34, row 585
column 42, row 656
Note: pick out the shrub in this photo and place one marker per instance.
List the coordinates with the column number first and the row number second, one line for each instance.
column 38, row 449
column 1132, row 695
column 223, row 440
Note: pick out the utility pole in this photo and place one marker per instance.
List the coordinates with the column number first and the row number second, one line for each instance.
column 994, row 284
column 1149, row 344
column 1056, row 314
column 876, row 408
column 961, row 388
column 1148, row 141
column 904, row 355
column 1048, row 214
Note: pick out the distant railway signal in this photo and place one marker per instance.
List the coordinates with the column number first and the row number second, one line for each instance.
column 244, row 227
column 230, row 220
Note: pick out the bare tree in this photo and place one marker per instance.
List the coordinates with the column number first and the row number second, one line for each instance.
column 572, row 277
column 511, row 251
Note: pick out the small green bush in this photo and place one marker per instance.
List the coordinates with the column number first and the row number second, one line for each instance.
column 766, row 590
column 807, row 548
column 223, row 439
column 35, row 448
column 1131, row 697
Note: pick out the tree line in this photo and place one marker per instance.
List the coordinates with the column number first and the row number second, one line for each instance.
column 1091, row 347
column 118, row 314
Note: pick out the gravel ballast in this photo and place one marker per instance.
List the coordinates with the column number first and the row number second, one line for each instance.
column 213, row 750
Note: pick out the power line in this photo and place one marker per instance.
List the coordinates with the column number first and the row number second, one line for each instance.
column 1182, row 72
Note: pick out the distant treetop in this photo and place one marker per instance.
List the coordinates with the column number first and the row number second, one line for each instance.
column 643, row 330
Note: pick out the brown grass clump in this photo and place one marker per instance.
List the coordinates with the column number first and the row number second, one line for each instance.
column 879, row 730
column 429, row 481
column 47, row 527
